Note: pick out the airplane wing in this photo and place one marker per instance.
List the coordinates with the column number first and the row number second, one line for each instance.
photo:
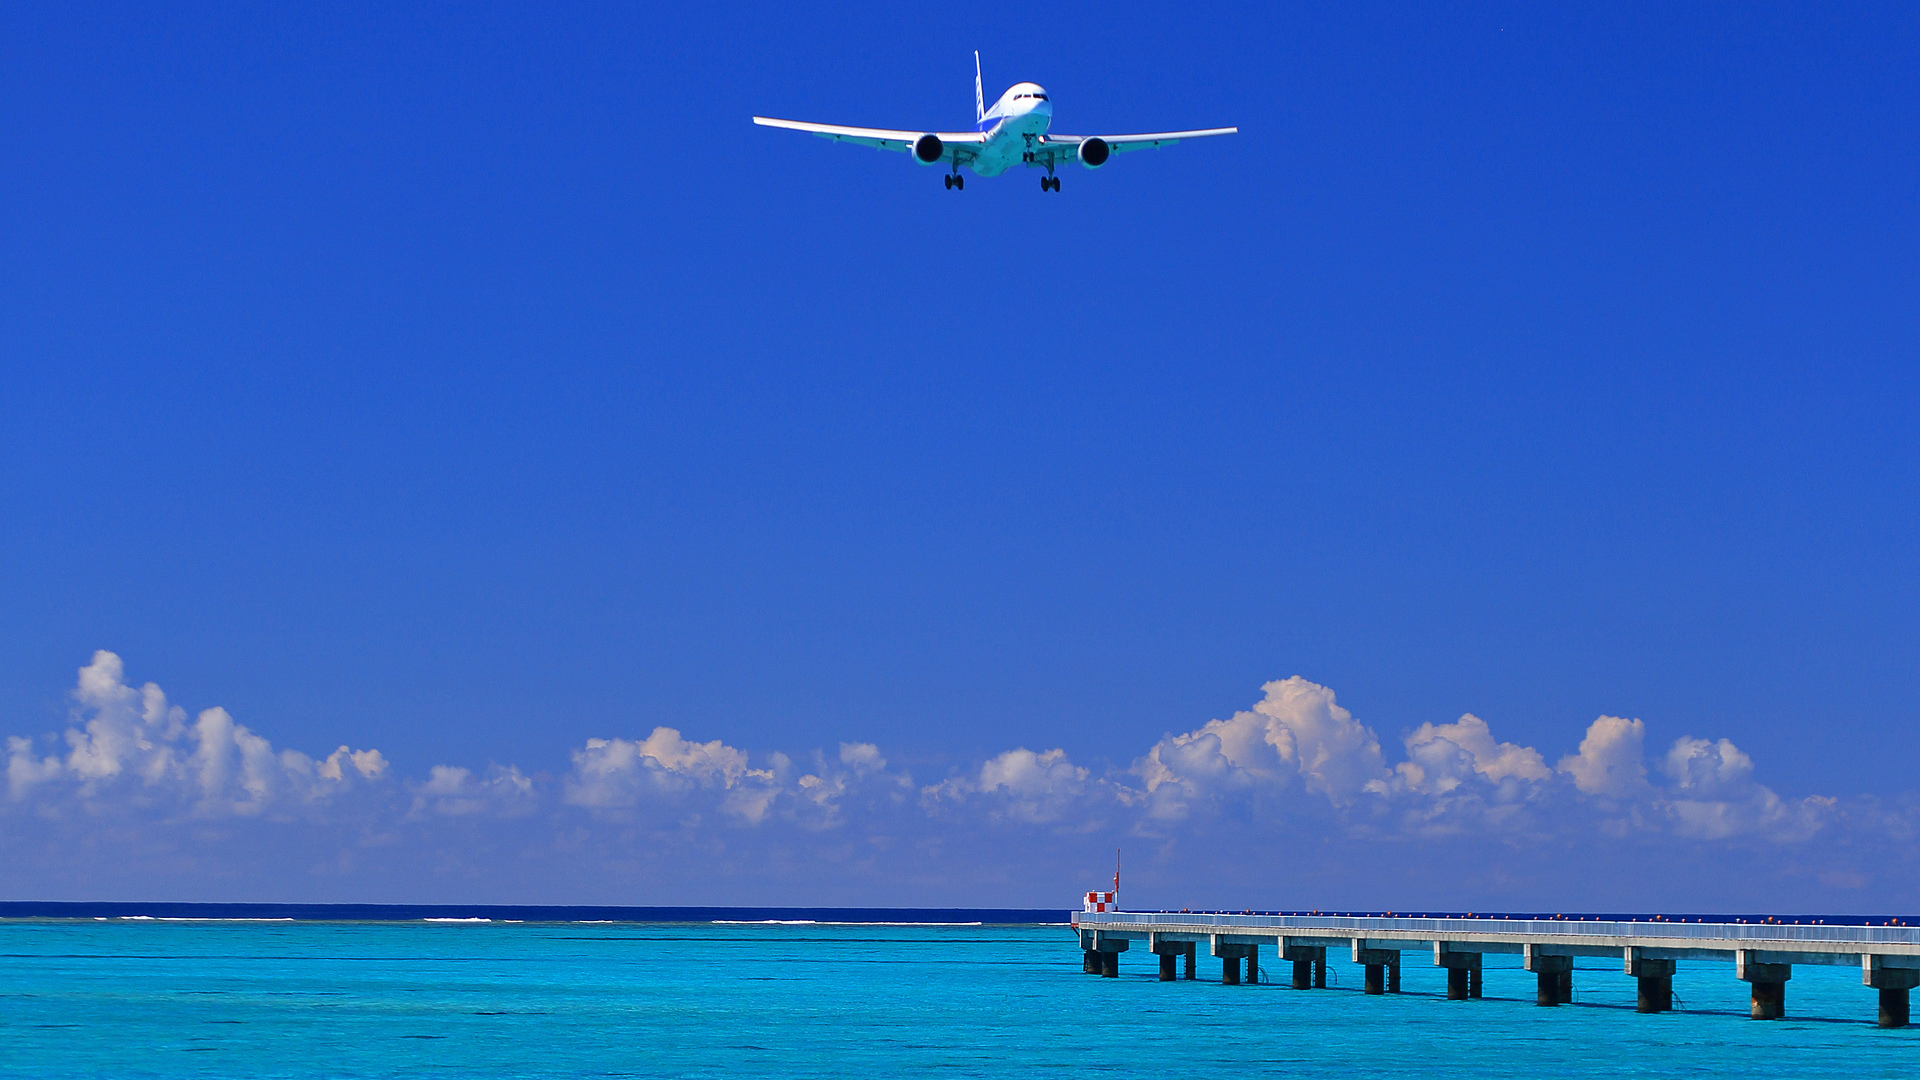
column 960, row 145
column 1066, row 148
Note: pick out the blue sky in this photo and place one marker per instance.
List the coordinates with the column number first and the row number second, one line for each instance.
column 469, row 383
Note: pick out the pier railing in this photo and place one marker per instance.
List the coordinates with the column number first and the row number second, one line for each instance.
column 1819, row 938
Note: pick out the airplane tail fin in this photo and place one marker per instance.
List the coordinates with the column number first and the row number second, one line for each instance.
column 979, row 94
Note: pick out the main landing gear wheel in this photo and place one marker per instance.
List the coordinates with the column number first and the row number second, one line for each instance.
column 959, row 182
column 1049, row 183
column 948, row 180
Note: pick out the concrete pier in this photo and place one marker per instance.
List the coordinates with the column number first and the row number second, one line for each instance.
column 1554, row 971
column 1304, row 959
column 1893, row 1007
column 1230, row 954
column 1762, row 952
column 1769, row 981
column 1655, row 975
column 1654, row 994
column 1887, row 975
column 1105, row 950
column 1463, row 970
column 1382, row 967
column 1170, row 951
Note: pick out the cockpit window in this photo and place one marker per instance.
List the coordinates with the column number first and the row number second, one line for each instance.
column 1042, row 97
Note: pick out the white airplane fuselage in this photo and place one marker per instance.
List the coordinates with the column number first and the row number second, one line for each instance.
column 1013, row 127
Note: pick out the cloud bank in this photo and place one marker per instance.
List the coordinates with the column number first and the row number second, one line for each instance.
column 1256, row 800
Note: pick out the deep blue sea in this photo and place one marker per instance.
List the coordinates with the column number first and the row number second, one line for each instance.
column 109, row 996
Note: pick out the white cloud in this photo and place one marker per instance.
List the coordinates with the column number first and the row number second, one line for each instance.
column 1294, row 756
column 1023, row 785
column 1441, row 757
column 451, row 791
column 1699, row 765
column 619, row 773
column 1715, row 796
column 128, row 747
column 1609, row 761
column 1296, row 730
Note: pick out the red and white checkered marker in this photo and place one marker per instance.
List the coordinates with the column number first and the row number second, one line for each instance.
column 1102, row 901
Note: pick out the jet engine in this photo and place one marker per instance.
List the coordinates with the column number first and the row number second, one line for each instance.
column 928, row 148
column 1094, row 151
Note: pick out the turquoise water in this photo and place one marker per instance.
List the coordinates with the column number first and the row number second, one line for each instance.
column 194, row 999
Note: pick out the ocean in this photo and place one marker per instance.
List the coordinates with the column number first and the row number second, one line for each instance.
column 146, row 991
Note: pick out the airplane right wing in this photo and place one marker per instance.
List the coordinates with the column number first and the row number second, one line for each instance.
column 955, row 145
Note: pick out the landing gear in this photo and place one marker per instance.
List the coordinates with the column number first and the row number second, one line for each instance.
column 955, row 182
column 1049, row 183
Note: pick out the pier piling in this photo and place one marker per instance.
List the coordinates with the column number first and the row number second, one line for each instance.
column 1655, row 975
column 1893, row 1007
column 1307, row 961
column 1382, row 966
column 1893, row 984
column 1463, row 970
column 1170, row 951
column 1769, row 983
column 1230, row 954
column 1554, row 975
column 1655, row 994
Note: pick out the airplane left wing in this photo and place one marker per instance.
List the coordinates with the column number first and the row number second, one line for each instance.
column 1066, row 148
column 959, row 145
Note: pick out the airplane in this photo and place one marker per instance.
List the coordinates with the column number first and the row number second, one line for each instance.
column 1013, row 132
